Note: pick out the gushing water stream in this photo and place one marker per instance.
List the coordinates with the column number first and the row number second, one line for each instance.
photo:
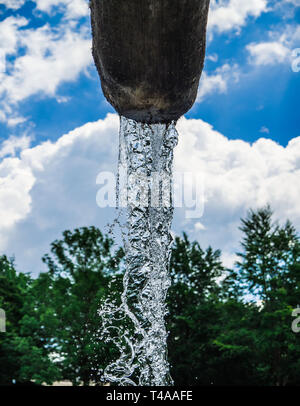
column 137, row 325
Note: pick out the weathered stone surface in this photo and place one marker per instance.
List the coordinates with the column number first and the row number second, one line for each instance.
column 149, row 55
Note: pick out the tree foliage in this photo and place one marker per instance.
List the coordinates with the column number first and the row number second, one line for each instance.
column 68, row 299
column 227, row 326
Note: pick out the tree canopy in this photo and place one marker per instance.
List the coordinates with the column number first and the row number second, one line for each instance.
column 226, row 326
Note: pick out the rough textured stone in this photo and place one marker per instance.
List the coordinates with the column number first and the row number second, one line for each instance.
column 149, row 55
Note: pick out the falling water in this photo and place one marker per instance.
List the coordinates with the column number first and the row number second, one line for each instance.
column 137, row 324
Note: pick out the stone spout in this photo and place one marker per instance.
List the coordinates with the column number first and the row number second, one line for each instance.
column 149, row 55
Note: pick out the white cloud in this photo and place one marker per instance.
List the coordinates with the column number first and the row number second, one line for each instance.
column 237, row 176
column 217, row 82
column 9, row 35
column 13, row 4
column 50, row 56
column 16, row 181
column 199, row 226
column 52, row 186
column 72, row 8
column 226, row 15
column 278, row 49
column 212, row 57
column 19, row 175
column 264, row 130
column 211, row 84
column 294, row 2
column 14, row 144
column 268, row 53
column 228, row 260
column 237, row 172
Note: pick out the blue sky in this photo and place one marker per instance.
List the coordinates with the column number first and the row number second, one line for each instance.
column 55, row 135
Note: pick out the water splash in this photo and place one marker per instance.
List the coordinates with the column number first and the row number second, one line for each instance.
column 136, row 325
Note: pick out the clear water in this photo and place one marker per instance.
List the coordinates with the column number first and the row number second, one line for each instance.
column 136, row 324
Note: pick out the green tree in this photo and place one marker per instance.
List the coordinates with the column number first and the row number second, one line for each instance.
column 67, row 301
column 236, row 330
column 22, row 356
column 234, row 361
column 194, row 311
column 11, row 301
column 269, row 258
column 268, row 269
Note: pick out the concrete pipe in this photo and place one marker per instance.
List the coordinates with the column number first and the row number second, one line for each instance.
column 149, row 55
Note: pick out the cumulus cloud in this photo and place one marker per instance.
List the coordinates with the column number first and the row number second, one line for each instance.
column 52, row 186
column 14, row 144
column 41, row 58
column 217, row 82
column 13, row 4
column 239, row 173
column 9, row 33
column 278, row 49
column 237, row 176
column 294, row 2
column 268, row 53
column 71, row 8
column 226, row 15
column 16, row 181
column 51, row 58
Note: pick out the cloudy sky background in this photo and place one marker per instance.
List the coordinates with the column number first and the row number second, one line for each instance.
column 57, row 132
